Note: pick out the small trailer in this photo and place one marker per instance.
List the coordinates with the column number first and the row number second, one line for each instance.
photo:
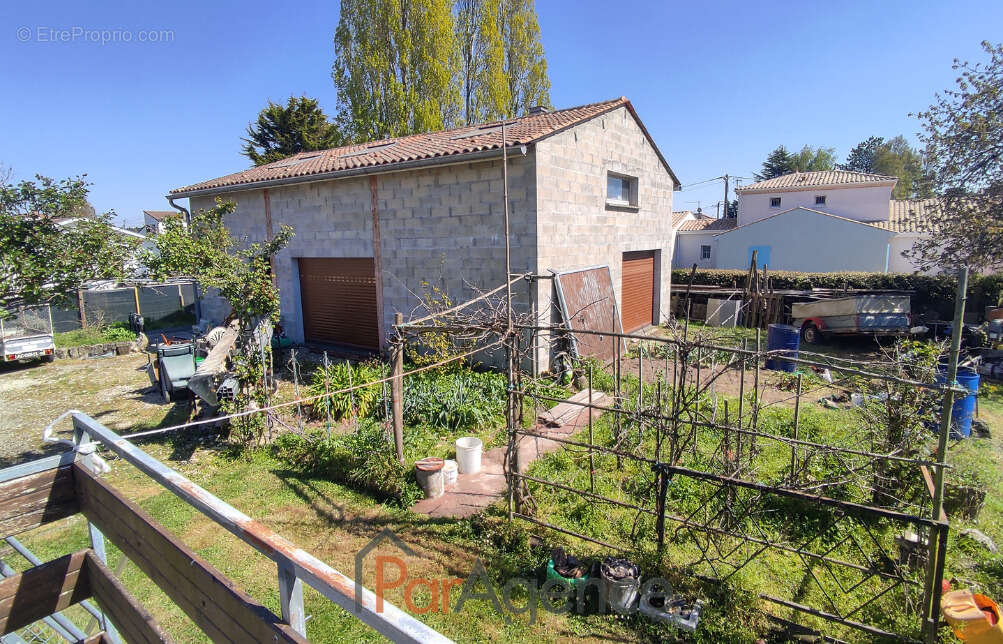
column 865, row 314
column 26, row 334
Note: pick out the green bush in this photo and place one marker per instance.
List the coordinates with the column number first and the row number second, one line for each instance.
column 933, row 294
column 342, row 375
column 365, row 459
column 454, row 400
column 117, row 332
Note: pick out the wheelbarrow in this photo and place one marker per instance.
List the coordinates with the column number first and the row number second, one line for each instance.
column 174, row 366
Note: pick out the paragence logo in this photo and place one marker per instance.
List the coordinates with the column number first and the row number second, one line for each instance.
column 517, row 596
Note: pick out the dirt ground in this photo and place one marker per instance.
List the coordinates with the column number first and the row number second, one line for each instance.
column 114, row 390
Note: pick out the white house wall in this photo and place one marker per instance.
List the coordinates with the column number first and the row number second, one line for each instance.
column 804, row 241
column 688, row 252
column 858, row 203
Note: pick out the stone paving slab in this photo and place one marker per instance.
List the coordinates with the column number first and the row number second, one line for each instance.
column 473, row 492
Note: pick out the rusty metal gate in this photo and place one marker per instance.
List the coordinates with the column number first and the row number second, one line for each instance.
column 587, row 302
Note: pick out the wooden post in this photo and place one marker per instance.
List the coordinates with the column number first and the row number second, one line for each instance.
column 397, row 388
column 135, row 294
column 296, row 383
column 80, row 306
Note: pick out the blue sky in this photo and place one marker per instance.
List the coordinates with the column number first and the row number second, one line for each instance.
column 718, row 84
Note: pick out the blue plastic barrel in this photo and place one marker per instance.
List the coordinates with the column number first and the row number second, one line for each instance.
column 786, row 338
column 964, row 407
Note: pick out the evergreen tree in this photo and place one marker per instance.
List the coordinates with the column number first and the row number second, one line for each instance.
column 778, row 163
column 395, row 62
column 809, row 159
column 894, row 157
column 503, row 69
column 861, row 157
column 282, row 131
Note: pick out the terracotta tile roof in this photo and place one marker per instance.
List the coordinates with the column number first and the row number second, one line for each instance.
column 523, row 130
column 160, row 215
column 678, row 217
column 708, row 225
column 796, row 180
column 908, row 216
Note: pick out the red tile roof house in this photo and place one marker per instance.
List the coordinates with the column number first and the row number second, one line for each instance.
column 374, row 220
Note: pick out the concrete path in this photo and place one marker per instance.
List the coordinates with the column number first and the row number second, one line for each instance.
column 473, row 492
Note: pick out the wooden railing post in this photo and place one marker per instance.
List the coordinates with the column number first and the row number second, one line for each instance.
column 291, row 599
column 397, row 388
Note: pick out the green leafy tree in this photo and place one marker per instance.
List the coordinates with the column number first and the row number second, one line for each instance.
column 503, row 68
column 205, row 251
column 780, row 162
column 811, row 159
column 963, row 137
column 395, row 63
column 42, row 261
column 894, row 157
column 241, row 273
column 862, row 156
column 282, row 131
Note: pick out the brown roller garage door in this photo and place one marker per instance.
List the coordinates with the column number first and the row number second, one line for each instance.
column 637, row 289
column 339, row 300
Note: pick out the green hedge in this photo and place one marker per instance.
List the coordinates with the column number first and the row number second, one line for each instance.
column 933, row 294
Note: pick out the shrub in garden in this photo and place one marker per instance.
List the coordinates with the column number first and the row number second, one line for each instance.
column 455, row 400
column 342, row 375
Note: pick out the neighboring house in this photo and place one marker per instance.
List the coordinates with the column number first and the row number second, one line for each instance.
column 827, row 221
column 153, row 220
column 695, row 239
column 375, row 221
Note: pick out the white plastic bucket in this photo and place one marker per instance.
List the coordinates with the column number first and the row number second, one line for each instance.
column 449, row 472
column 468, row 454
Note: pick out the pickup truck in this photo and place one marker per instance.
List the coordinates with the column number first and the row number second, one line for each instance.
column 26, row 334
column 855, row 315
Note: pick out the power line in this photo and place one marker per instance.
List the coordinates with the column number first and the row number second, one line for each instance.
column 697, row 183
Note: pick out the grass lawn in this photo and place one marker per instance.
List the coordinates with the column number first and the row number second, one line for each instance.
column 334, row 521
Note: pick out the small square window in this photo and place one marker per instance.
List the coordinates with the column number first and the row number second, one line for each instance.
column 621, row 190
column 819, row 200
column 705, row 252
column 774, row 202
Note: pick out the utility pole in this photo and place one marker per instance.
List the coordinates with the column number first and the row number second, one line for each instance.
column 725, row 195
